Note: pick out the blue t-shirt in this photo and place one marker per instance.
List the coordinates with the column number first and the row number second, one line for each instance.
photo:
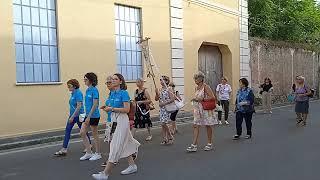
column 76, row 96
column 92, row 93
column 108, row 104
column 117, row 98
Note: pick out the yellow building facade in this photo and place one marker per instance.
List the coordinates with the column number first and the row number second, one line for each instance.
column 44, row 43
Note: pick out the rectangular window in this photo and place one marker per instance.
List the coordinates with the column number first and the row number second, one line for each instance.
column 36, row 41
column 127, row 32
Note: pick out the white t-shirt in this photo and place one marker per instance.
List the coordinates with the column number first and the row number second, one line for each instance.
column 224, row 91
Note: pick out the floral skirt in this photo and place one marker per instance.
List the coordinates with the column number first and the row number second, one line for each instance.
column 204, row 117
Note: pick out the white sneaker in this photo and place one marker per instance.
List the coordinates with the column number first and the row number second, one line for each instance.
column 100, row 176
column 227, row 123
column 219, row 122
column 96, row 156
column 192, row 148
column 131, row 169
column 86, row 156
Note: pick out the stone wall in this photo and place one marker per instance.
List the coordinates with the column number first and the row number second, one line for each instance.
column 281, row 62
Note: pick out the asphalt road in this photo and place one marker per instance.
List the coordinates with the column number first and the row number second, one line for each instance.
column 279, row 150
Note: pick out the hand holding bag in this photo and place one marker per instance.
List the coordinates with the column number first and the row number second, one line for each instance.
column 219, row 108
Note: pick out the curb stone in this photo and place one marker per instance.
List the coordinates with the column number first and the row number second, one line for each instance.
column 56, row 136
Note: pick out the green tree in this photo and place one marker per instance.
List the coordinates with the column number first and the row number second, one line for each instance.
column 285, row 20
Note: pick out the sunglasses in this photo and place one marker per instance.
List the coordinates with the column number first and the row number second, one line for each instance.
column 108, row 83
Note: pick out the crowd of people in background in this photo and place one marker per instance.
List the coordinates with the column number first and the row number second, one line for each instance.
column 209, row 108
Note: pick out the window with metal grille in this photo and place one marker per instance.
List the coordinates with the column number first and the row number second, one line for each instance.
column 127, row 32
column 36, row 41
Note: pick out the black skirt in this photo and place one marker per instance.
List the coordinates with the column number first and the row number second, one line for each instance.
column 302, row 107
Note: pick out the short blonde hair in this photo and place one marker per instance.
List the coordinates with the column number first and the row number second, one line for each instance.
column 109, row 78
column 301, row 77
column 199, row 75
column 225, row 78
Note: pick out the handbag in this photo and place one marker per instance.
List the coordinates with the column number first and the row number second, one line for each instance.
column 175, row 106
column 179, row 104
column 219, row 108
column 172, row 107
column 208, row 104
column 291, row 97
column 107, row 133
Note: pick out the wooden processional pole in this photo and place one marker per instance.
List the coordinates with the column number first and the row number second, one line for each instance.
column 144, row 45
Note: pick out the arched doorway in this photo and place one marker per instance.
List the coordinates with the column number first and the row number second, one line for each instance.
column 210, row 63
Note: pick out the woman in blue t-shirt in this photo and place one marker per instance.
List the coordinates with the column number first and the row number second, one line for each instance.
column 76, row 108
column 92, row 117
column 122, row 145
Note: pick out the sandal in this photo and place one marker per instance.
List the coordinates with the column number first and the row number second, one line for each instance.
column 208, row 147
column 299, row 121
column 170, row 142
column 149, row 138
column 60, row 153
column 164, row 142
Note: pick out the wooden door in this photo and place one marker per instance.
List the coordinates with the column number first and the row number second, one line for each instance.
column 210, row 63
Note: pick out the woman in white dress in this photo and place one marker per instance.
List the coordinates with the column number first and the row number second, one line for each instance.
column 122, row 145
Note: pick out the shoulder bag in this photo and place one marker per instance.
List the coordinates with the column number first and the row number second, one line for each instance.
column 208, row 104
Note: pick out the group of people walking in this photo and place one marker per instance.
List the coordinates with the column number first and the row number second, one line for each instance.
column 118, row 106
